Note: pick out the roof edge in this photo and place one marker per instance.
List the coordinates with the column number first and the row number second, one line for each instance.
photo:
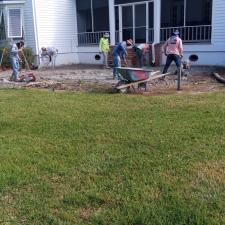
column 12, row 2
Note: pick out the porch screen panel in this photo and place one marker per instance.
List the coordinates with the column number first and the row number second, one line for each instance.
column 117, row 23
column 198, row 12
column 172, row 13
column 14, row 23
column 127, row 21
column 84, row 16
column 100, row 15
column 140, row 23
column 150, row 21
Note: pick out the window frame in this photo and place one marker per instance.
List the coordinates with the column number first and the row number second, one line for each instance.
column 21, row 21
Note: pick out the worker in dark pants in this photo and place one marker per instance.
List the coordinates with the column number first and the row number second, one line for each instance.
column 118, row 52
column 140, row 51
column 173, row 49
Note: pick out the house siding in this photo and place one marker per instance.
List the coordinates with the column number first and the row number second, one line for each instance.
column 218, row 23
column 56, row 26
column 29, row 28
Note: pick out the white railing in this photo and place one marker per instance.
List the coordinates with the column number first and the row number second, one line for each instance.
column 90, row 38
column 201, row 33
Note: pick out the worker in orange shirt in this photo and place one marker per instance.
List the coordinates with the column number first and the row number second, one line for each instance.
column 173, row 49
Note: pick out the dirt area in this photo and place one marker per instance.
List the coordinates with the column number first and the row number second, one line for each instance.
column 86, row 78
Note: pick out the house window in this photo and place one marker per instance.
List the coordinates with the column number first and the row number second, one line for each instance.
column 186, row 13
column 2, row 26
column 92, row 15
column 14, row 23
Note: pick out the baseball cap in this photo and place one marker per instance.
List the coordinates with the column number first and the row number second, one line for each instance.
column 176, row 32
column 106, row 34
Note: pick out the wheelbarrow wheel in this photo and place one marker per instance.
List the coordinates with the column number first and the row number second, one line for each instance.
column 123, row 90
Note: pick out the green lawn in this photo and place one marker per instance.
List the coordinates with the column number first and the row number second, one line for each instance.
column 75, row 159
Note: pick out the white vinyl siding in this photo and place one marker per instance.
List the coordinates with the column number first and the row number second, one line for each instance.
column 29, row 27
column 218, row 23
column 15, row 23
column 56, row 24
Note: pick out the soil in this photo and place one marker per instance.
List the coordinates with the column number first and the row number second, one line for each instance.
column 89, row 78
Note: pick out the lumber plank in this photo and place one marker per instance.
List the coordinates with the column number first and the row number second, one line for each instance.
column 152, row 77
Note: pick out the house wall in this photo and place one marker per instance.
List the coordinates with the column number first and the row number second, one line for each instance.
column 55, row 27
column 29, row 28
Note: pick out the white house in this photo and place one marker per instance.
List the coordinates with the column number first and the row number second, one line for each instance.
column 75, row 26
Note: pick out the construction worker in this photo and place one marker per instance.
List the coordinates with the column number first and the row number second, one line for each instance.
column 104, row 49
column 140, row 51
column 117, row 52
column 51, row 52
column 15, row 60
column 173, row 49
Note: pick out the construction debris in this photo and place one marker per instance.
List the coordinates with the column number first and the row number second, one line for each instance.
column 94, row 79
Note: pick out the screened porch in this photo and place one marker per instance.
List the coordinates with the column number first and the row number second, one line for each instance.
column 136, row 19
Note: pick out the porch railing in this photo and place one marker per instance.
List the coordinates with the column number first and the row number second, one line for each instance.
column 90, row 38
column 192, row 34
column 201, row 33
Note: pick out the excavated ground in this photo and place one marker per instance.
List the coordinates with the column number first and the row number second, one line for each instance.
column 86, row 78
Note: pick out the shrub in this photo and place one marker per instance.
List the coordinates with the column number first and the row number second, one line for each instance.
column 27, row 52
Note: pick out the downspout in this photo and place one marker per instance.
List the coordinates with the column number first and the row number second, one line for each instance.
column 35, row 30
column 157, row 25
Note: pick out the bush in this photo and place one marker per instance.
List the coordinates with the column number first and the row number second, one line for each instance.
column 27, row 52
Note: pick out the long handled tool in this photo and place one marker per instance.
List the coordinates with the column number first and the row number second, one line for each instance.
column 29, row 75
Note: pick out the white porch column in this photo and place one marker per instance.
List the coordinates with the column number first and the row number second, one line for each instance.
column 157, row 20
column 112, row 22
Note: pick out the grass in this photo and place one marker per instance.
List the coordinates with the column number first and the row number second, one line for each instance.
column 95, row 159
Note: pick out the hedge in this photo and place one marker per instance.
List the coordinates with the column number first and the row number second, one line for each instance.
column 6, row 60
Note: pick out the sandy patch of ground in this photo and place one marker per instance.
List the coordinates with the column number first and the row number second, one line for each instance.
column 88, row 78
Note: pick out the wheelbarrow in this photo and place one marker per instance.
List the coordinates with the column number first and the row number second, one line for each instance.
column 135, row 77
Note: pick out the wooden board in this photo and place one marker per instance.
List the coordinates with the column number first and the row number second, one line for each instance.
column 135, row 69
column 152, row 77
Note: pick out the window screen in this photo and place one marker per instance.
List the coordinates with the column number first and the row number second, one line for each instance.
column 14, row 23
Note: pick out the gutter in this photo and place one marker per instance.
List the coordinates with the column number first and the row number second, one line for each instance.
column 11, row 2
column 35, row 28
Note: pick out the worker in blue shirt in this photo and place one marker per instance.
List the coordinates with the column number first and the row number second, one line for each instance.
column 118, row 52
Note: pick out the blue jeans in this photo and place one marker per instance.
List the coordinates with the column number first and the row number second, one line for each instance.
column 170, row 59
column 116, row 63
column 15, row 67
column 140, row 57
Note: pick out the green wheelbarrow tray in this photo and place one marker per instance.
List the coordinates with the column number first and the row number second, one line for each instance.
column 130, row 74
